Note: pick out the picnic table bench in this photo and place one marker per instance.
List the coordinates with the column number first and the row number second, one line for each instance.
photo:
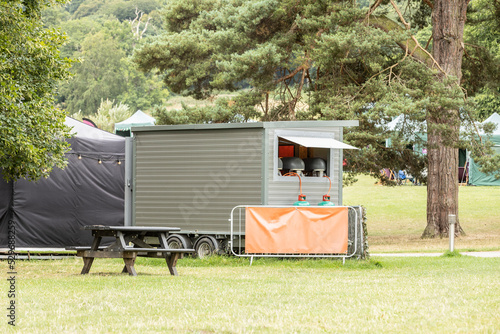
column 130, row 243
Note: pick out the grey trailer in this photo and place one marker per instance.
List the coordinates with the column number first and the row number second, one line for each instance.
column 192, row 176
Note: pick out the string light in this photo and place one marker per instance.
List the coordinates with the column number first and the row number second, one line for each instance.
column 99, row 160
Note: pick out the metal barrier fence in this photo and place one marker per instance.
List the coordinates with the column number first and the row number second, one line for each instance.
column 238, row 232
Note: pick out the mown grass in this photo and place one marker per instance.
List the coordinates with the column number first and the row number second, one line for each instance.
column 448, row 294
column 397, row 216
column 226, row 295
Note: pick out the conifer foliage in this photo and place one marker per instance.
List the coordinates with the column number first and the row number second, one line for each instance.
column 335, row 59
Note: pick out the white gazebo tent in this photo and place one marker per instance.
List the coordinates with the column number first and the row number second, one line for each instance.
column 137, row 119
column 476, row 177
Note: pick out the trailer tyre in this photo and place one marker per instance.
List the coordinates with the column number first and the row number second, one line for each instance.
column 205, row 246
column 179, row 241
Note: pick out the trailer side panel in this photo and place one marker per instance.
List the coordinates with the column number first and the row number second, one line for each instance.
column 191, row 179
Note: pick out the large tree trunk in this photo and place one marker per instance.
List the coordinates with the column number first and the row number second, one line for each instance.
column 442, row 179
column 448, row 20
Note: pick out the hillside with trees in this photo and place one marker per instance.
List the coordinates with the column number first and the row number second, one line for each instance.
column 102, row 36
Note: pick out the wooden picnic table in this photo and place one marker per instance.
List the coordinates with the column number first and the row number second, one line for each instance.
column 130, row 242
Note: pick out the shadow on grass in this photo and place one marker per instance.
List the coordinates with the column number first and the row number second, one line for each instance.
column 231, row 261
column 117, row 274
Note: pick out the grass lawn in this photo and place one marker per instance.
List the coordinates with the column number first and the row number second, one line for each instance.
column 457, row 294
column 397, row 216
column 226, row 295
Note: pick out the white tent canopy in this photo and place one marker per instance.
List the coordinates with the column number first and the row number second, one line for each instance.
column 494, row 118
column 402, row 120
column 476, row 176
column 83, row 130
column 137, row 119
column 392, row 125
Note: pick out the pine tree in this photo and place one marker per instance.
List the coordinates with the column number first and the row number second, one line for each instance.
column 335, row 60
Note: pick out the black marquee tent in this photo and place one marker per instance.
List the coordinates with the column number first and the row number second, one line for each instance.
column 49, row 213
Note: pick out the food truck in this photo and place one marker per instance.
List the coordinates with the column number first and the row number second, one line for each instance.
column 193, row 176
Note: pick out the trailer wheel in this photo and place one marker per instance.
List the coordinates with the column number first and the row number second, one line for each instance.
column 177, row 241
column 205, row 246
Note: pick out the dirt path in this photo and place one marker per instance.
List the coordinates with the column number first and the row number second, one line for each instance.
column 475, row 254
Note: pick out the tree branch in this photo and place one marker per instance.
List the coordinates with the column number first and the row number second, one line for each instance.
column 429, row 3
column 419, row 53
column 406, row 24
column 133, row 21
column 145, row 27
column 428, row 42
column 386, row 24
column 292, row 74
column 136, row 23
column 380, row 72
column 372, row 9
column 309, row 76
column 299, row 89
column 428, row 54
column 267, row 104
column 293, row 28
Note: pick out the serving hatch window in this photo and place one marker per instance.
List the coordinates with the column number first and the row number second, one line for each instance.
column 307, row 155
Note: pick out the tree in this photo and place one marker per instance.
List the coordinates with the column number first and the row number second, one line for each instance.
column 333, row 60
column 99, row 75
column 127, row 10
column 443, row 122
column 225, row 110
column 143, row 90
column 107, row 115
column 481, row 68
column 103, row 44
column 32, row 131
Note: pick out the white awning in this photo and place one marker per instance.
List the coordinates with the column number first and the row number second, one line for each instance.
column 319, row 142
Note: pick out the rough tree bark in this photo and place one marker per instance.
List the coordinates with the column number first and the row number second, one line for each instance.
column 448, row 20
